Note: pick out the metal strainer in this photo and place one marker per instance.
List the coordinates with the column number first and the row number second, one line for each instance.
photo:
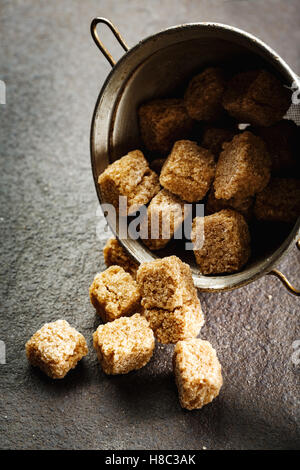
column 157, row 67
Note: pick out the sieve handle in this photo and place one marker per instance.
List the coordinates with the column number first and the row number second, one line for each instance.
column 284, row 280
column 100, row 44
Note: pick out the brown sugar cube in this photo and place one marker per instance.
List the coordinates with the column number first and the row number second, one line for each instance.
column 214, row 137
column 188, row 171
column 114, row 293
column 279, row 201
column 197, row 373
column 203, row 97
column 130, row 177
column 165, row 283
column 124, row 345
column 242, row 205
column 56, row 348
column 256, row 97
column 282, row 140
column 162, row 122
column 157, row 164
column 226, row 244
column 243, row 168
column 170, row 326
column 165, row 214
column 114, row 254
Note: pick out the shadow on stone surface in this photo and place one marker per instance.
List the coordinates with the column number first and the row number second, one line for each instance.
column 75, row 378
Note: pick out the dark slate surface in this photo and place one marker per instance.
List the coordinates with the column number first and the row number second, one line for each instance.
column 50, row 251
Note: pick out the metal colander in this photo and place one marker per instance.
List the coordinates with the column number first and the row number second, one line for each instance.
column 159, row 66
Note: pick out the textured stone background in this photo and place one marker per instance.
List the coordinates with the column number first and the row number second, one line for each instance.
column 50, row 251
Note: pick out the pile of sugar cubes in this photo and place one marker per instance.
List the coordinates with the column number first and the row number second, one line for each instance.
column 197, row 152
column 138, row 304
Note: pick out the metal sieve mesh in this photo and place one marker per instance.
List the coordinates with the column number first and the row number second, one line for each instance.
column 294, row 112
